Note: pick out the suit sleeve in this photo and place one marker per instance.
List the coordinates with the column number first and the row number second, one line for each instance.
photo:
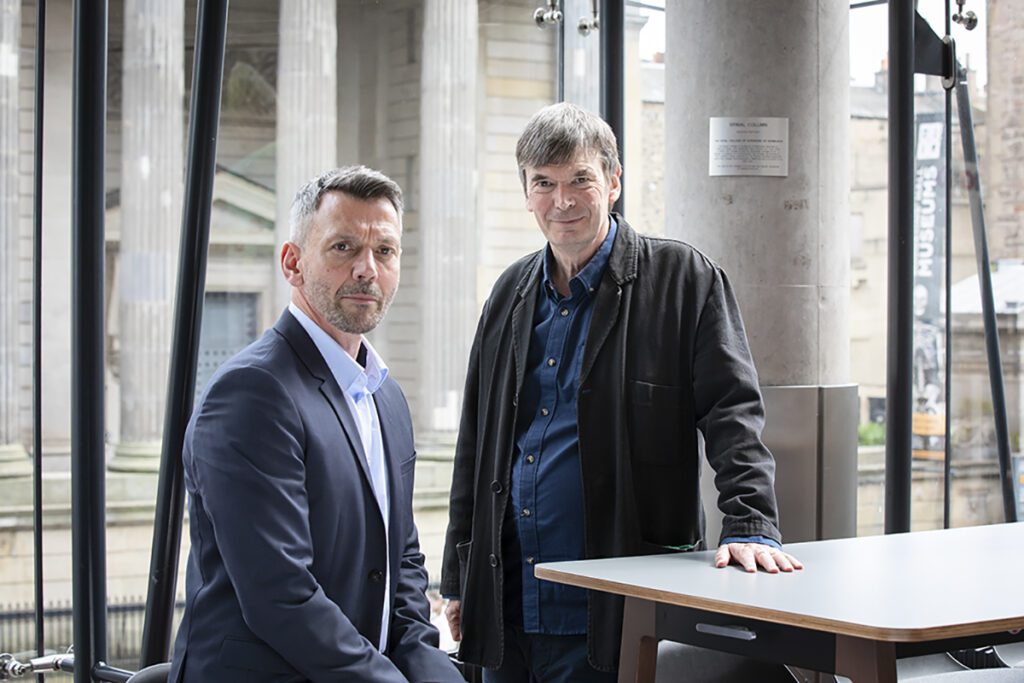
column 248, row 469
column 730, row 414
column 461, row 502
column 414, row 640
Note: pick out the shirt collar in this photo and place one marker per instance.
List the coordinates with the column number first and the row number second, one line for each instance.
column 353, row 379
column 589, row 276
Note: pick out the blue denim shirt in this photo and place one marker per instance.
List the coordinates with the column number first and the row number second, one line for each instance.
column 547, row 484
column 544, row 520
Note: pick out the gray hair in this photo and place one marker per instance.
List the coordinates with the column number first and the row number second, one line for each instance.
column 559, row 133
column 356, row 181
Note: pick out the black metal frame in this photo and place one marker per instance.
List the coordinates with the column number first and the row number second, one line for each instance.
column 88, row 500
column 612, row 33
column 207, row 79
column 922, row 51
column 947, row 460
column 900, row 347
column 37, row 331
column 995, row 363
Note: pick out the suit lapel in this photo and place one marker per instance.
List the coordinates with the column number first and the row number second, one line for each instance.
column 606, row 312
column 621, row 271
column 292, row 331
column 330, row 390
column 522, row 318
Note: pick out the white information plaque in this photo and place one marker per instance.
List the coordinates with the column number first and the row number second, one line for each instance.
column 748, row 146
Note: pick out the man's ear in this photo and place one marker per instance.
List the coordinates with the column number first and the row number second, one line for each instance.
column 616, row 187
column 290, row 265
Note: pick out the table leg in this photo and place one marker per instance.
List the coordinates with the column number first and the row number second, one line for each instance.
column 638, row 654
column 865, row 661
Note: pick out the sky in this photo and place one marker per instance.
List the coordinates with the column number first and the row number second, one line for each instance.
column 869, row 37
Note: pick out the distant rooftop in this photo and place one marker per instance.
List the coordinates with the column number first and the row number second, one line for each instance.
column 1007, row 289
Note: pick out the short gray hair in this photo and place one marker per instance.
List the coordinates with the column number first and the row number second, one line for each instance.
column 559, row 133
column 356, row 181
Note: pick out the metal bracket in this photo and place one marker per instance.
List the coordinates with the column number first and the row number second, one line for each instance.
column 548, row 16
column 951, row 75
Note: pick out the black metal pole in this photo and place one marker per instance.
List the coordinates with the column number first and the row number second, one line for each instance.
column 900, row 350
column 947, row 444
column 37, row 331
column 207, row 78
column 87, row 243
column 612, row 32
column 995, row 363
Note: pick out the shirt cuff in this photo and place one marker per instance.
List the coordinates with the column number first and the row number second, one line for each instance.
column 763, row 540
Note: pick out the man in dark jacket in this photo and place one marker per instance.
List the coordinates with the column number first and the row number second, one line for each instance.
column 596, row 362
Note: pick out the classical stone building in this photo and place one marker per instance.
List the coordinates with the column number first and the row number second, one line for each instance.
column 432, row 92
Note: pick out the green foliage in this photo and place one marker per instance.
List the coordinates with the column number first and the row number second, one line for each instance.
column 871, row 434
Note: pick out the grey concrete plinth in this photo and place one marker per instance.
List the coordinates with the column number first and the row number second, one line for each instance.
column 782, row 240
column 136, row 457
column 14, row 461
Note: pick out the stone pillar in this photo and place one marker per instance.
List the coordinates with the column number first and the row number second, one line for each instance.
column 152, row 178
column 1003, row 181
column 782, row 240
column 307, row 106
column 447, row 217
column 13, row 460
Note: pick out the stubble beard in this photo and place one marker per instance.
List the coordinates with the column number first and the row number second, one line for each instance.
column 331, row 305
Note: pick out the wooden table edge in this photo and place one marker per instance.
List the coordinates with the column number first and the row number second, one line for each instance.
column 841, row 628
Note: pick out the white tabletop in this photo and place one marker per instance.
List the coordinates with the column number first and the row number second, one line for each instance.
column 903, row 588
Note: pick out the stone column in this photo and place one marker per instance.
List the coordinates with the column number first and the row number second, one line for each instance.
column 13, row 460
column 782, row 240
column 152, row 134
column 307, row 106
column 447, row 216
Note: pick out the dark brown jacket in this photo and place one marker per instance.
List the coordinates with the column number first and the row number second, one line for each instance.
column 665, row 356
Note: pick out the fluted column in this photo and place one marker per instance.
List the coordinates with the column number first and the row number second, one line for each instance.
column 448, row 218
column 153, row 90
column 307, row 105
column 13, row 460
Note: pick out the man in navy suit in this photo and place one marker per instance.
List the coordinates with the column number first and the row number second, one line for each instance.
column 305, row 562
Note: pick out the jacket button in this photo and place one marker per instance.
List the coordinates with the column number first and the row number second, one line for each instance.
column 376, row 576
column 493, row 559
column 496, row 486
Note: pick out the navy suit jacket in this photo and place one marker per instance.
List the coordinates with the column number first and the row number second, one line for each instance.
column 285, row 578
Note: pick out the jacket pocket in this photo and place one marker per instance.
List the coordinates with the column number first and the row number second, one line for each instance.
column 657, row 413
column 253, row 655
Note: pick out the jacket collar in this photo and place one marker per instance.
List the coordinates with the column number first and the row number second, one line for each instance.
column 622, row 263
column 297, row 337
column 291, row 329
